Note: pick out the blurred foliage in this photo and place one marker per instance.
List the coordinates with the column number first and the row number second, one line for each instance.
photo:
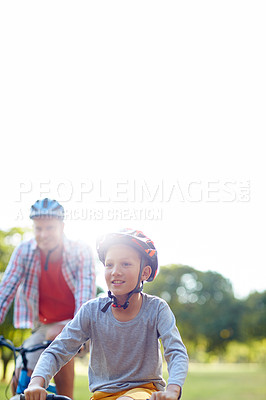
column 207, row 313
column 17, row 336
column 253, row 322
column 8, row 241
column 99, row 291
column 253, row 351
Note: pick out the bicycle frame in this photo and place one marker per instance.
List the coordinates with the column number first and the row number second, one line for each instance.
column 24, row 379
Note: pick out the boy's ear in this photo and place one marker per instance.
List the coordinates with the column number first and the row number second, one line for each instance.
column 146, row 273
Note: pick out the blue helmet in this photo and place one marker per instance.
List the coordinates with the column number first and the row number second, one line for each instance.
column 47, row 208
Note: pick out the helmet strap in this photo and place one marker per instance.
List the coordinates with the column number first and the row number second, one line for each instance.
column 137, row 289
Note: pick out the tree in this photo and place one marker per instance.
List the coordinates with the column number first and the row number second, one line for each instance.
column 203, row 303
column 8, row 240
column 253, row 321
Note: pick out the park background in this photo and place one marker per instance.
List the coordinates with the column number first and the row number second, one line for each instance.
column 150, row 115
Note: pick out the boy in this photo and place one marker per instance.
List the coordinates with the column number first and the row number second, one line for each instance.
column 125, row 357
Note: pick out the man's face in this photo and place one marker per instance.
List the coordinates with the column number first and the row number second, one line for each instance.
column 48, row 232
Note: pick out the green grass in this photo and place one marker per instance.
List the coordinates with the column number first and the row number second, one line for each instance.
column 204, row 382
column 225, row 381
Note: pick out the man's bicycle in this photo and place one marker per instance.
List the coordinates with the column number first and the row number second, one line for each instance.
column 24, row 379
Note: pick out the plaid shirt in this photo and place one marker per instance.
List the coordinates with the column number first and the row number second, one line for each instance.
column 21, row 279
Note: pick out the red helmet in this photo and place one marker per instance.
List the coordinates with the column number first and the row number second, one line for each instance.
column 133, row 238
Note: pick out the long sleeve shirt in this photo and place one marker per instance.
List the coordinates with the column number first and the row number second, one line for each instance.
column 123, row 355
column 21, row 280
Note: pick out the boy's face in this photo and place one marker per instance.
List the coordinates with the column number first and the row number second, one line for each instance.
column 122, row 265
column 48, row 232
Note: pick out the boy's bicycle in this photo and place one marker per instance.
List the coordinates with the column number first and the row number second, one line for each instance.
column 24, row 379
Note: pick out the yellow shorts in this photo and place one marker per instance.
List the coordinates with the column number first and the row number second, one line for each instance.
column 139, row 393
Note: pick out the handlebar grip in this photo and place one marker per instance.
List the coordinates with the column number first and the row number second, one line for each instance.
column 50, row 397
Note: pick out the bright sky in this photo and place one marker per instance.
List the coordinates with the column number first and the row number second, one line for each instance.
column 140, row 114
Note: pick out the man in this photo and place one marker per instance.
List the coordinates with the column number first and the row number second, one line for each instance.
column 50, row 277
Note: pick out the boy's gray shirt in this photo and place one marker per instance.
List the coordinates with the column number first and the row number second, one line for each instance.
column 123, row 355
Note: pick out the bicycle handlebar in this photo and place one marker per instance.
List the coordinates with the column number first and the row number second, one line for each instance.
column 10, row 345
column 50, row 397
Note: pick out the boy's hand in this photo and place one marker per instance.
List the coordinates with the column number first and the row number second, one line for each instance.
column 35, row 390
column 172, row 393
column 35, row 393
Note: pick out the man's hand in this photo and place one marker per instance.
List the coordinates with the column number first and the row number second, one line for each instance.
column 172, row 393
column 35, row 390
